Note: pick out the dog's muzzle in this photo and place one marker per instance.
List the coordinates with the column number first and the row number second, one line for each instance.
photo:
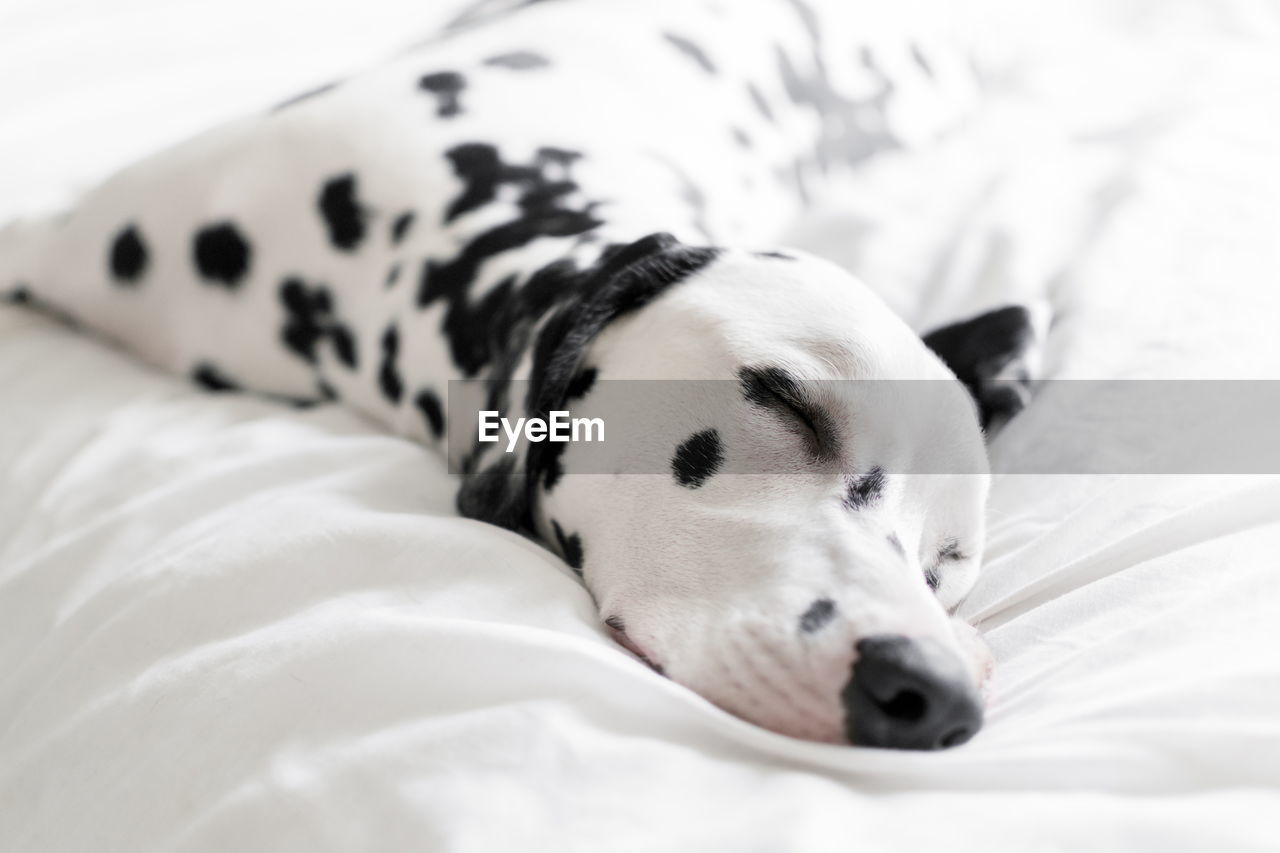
column 910, row 694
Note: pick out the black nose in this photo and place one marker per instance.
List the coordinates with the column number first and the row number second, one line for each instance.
column 909, row 694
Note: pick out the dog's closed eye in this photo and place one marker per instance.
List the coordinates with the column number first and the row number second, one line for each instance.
column 776, row 390
column 949, row 552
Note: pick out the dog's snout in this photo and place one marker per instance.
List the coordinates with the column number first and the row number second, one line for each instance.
column 909, row 694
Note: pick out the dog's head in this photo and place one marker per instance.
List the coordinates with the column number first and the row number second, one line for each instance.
column 786, row 528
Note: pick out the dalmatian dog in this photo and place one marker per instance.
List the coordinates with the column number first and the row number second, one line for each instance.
column 554, row 197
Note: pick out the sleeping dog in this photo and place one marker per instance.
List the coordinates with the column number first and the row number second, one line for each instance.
column 555, row 196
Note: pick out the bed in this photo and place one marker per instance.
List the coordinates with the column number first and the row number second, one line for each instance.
column 230, row 625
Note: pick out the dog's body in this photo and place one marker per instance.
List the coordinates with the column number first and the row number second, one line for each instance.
column 488, row 207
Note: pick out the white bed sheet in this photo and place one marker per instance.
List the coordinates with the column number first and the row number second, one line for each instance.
column 226, row 626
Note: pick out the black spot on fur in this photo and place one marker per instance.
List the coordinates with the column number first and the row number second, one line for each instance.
column 518, row 60
column 210, row 378
column 581, row 384
column 483, row 171
column 495, row 322
column 128, row 258
column 400, row 227
column 221, row 254
column 777, row 256
column 865, row 490
column 343, row 215
column 432, row 411
column 691, row 50
column 570, row 548
column 389, row 374
column 852, row 129
column 761, row 105
column 393, row 275
column 305, row 312
column 921, row 60
column 344, row 345
column 897, row 544
column 819, row 614
column 310, row 319
column 697, row 459
column 19, row 295
column 447, row 87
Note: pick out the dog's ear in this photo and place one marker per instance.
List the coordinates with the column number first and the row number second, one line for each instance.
column 997, row 356
column 625, row 279
column 495, row 495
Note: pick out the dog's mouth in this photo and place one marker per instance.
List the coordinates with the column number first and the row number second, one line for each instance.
column 618, row 630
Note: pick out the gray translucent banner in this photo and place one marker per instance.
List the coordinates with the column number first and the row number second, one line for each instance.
column 903, row 427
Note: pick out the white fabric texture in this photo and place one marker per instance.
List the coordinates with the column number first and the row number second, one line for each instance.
column 226, row 625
